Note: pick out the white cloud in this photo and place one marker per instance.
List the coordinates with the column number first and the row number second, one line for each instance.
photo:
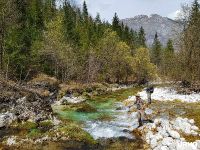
column 174, row 14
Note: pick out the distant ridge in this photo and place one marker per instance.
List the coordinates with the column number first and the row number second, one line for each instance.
column 165, row 27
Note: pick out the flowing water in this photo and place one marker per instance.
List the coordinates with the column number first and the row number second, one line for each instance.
column 111, row 120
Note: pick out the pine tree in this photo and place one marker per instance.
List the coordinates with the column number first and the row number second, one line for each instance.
column 156, row 50
column 39, row 15
column 116, row 24
column 170, row 47
column 49, row 9
column 85, row 11
column 141, row 38
column 68, row 21
column 98, row 19
column 167, row 65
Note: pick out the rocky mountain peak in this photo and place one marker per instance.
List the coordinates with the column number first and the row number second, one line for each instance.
column 165, row 27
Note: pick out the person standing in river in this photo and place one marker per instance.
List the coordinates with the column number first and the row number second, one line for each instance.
column 140, row 109
column 149, row 91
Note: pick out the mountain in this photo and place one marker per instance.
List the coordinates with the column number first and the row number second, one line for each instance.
column 165, row 27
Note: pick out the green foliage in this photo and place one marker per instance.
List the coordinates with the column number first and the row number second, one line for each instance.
column 144, row 70
column 69, row 44
column 35, row 133
column 28, row 125
column 76, row 133
column 141, row 38
column 111, row 53
column 156, row 51
column 168, row 60
column 189, row 60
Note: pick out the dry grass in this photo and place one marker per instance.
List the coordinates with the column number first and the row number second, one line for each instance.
column 44, row 79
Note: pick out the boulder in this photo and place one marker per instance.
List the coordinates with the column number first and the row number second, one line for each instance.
column 191, row 121
column 198, row 144
column 167, row 141
column 71, row 100
column 11, row 141
column 164, row 148
column 6, row 119
column 174, row 134
column 195, row 128
column 154, row 143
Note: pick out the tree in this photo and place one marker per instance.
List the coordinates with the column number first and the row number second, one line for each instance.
column 116, row 24
column 143, row 69
column 156, row 51
column 85, row 11
column 168, row 60
column 69, row 24
column 191, row 45
column 111, row 53
column 141, row 38
column 39, row 9
column 170, row 47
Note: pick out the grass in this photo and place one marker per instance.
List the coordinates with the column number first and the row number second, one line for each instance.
column 27, row 125
column 35, row 133
column 74, row 132
column 119, row 95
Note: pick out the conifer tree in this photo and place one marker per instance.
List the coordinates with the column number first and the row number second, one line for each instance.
column 85, row 11
column 170, row 47
column 156, row 50
column 167, row 65
column 69, row 23
column 39, row 14
column 141, row 38
column 116, row 24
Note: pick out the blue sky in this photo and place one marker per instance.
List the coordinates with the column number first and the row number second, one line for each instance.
column 131, row 8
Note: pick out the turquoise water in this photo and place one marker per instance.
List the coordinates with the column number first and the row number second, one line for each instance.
column 104, row 110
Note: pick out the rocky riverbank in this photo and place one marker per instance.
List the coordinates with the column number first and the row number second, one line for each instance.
column 27, row 117
column 176, row 120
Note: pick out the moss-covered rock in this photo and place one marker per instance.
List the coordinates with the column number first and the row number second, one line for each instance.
column 86, row 108
column 74, row 132
column 27, row 125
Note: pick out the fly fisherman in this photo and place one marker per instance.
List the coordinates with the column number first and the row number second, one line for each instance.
column 140, row 109
column 149, row 91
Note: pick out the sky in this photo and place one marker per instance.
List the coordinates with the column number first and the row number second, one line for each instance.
column 131, row 8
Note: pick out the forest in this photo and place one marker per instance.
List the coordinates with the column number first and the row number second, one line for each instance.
column 67, row 43
column 72, row 81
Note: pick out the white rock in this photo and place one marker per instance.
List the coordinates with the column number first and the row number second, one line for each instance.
column 163, row 133
column 182, row 139
column 153, row 143
column 174, row 134
column 198, row 144
column 191, row 121
column 158, row 136
column 167, row 141
column 172, row 146
column 157, row 121
column 55, row 121
column 6, row 119
column 72, row 100
column 194, row 133
column 11, row 141
column 164, row 148
column 194, row 128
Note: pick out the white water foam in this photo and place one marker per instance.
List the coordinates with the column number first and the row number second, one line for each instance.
column 121, row 126
column 169, row 94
